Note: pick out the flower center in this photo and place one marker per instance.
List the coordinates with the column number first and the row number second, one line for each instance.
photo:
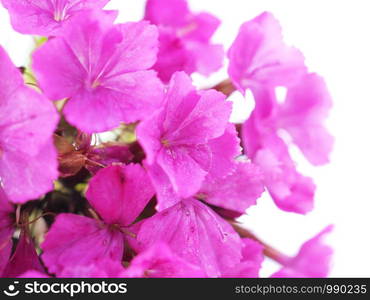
column 95, row 84
column 60, row 10
column 165, row 143
column 92, row 83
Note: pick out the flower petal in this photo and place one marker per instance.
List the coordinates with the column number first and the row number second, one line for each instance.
column 119, row 193
column 236, row 191
column 312, row 260
column 76, row 240
column 259, row 55
column 195, row 233
column 158, row 261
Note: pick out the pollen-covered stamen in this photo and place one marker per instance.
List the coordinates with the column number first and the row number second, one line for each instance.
column 92, row 83
column 165, row 142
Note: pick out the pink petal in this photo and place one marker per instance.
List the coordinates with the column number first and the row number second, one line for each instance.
column 302, row 114
column 224, row 151
column 181, row 98
column 195, row 233
column 62, row 80
column 100, row 268
column 290, row 190
column 119, row 193
column 173, row 55
column 158, row 261
column 26, row 145
column 166, row 196
column 25, row 258
column 30, row 125
column 207, row 58
column 312, row 260
column 201, row 27
column 184, row 173
column 167, row 12
column 251, row 262
column 28, row 177
column 177, row 138
column 128, row 102
column 184, row 41
column 44, row 17
column 76, row 240
column 236, row 191
column 259, row 55
column 138, row 50
column 207, row 120
column 149, row 134
column 11, row 77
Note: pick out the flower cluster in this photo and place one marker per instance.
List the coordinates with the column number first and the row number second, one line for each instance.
column 161, row 198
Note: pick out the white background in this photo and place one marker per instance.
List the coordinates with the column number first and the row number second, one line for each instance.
column 334, row 35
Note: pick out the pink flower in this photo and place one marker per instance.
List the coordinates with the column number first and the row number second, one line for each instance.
column 184, row 39
column 196, row 234
column 28, row 159
column 301, row 115
column 259, row 56
column 158, row 261
column 102, row 69
column 312, row 260
column 46, row 17
column 180, row 138
column 118, row 194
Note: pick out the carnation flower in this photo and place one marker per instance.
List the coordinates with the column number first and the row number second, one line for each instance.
column 184, row 39
column 102, row 69
column 118, row 194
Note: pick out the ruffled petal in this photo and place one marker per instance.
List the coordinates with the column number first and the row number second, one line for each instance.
column 119, row 193
column 158, row 261
column 302, row 114
column 259, row 55
column 236, row 191
column 76, row 240
column 312, row 260
column 251, row 262
column 195, row 233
